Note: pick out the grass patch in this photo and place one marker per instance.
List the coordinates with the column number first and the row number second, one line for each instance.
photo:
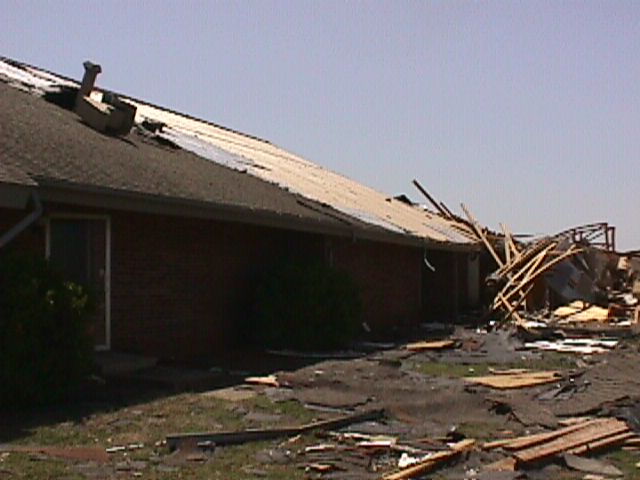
column 626, row 462
column 24, row 465
column 149, row 423
column 548, row 361
column 240, row 462
column 480, row 431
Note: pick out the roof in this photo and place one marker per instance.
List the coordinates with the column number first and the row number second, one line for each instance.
column 213, row 164
column 11, row 174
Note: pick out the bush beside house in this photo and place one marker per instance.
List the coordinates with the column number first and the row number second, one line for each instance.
column 45, row 348
column 306, row 306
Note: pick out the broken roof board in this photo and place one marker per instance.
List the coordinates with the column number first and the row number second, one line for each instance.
column 277, row 166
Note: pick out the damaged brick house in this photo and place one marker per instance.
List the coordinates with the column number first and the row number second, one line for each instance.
column 172, row 220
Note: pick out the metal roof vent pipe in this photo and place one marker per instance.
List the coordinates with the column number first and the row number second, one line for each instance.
column 111, row 115
column 91, row 71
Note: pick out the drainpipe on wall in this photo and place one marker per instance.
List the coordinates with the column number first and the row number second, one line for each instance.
column 25, row 223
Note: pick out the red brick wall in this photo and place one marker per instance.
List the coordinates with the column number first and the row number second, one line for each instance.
column 182, row 286
column 389, row 277
column 32, row 239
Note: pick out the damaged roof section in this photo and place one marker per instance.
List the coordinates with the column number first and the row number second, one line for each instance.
column 265, row 161
column 45, row 145
column 573, row 278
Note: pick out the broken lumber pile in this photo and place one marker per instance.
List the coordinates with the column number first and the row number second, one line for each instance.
column 520, row 268
column 578, row 265
column 431, row 462
column 580, row 438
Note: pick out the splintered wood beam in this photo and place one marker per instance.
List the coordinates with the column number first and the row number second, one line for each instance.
column 513, row 308
column 431, row 200
column 525, row 255
column 478, row 231
column 531, row 277
column 232, row 438
column 446, row 209
column 526, row 271
column 509, row 236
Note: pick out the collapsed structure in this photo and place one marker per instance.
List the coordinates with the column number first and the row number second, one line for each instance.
column 573, row 277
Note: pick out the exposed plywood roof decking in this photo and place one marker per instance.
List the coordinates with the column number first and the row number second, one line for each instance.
column 312, row 181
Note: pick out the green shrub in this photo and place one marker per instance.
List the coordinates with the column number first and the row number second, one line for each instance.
column 45, row 348
column 306, row 306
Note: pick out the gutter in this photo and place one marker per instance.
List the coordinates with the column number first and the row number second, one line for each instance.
column 25, row 223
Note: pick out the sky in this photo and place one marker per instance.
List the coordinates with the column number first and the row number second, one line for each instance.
column 527, row 112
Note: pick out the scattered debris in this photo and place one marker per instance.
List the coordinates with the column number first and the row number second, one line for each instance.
column 269, row 381
column 432, row 461
column 584, row 346
column 230, row 438
column 584, row 437
column 430, row 345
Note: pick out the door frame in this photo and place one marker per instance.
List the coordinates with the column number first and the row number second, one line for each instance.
column 107, row 262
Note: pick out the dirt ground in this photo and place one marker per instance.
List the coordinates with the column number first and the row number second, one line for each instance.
column 120, row 429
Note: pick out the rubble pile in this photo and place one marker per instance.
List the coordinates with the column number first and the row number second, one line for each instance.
column 573, row 280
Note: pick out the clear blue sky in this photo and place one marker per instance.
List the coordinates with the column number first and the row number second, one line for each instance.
column 529, row 112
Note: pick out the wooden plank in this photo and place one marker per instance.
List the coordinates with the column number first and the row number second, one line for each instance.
column 581, row 437
column 633, row 441
column 267, row 381
column 432, row 462
column 531, row 277
column 512, row 310
column 509, row 236
column 524, row 272
column 565, row 422
column 233, row 438
column 482, row 236
column 507, row 464
column 612, row 441
column 537, row 438
column 516, row 380
column 430, row 345
column 524, row 258
column 507, row 246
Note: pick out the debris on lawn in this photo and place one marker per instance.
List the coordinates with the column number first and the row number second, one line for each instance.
column 431, row 462
column 268, row 381
column 93, row 454
column 584, row 437
column 542, row 386
column 233, row 438
column 583, row 346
